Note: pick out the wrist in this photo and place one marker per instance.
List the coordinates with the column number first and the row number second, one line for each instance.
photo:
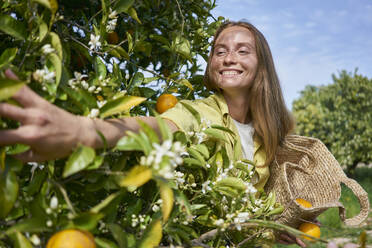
column 87, row 134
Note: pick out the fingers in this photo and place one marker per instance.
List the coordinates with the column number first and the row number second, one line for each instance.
column 27, row 98
column 10, row 74
column 13, row 112
column 29, row 156
column 10, row 137
column 287, row 239
column 300, row 242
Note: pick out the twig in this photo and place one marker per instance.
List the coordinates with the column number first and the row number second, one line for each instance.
column 65, row 196
column 249, row 238
column 255, row 223
column 182, row 17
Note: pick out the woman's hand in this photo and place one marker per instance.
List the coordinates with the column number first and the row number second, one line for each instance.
column 288, row 239
column 49, row 131
column 53, row 133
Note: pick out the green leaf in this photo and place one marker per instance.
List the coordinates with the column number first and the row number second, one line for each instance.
column 57, row 64
column 160, row 39
column 7, row 56
column 123, row 5
column 8, row 192
column 87, row 221
column 232, row 182
column 104, row 243
column 136, row 177
column 215, row 133
column 20, row 241
column 133, row 13
column 183, row 47
column 192, row 111
column 149, row 80
column 149, row 131
column 2, row 159
column 196, row 154
column 145, row 47
column 104, row 203
column 193, row 161
column 43, row 30
column 222, row 128
column 34, row 224
column 97, row 162
column 130, row 42
column 186, row 83
column 119, row 234
column 136, row 81
column 152, row 236
column 128, row 143
column 145, row 142
column 100, row 68
column 79, row 160
column 120, row 105
column 203, row 150
column 56, row 43
column 165, row 131
column 13, row 27
column 118, row 51
column 50, row 4
column 166, row 194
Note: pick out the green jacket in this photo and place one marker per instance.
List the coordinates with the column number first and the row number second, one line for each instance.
column 214, row 109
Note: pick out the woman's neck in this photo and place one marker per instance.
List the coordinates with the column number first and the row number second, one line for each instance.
column 238, row 106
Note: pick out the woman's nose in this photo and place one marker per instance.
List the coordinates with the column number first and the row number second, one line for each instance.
column 230, row 58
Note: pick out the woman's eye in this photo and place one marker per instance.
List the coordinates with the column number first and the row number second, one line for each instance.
column 220, row 52
column 243, row 52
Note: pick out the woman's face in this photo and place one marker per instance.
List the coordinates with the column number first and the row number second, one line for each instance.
column 234, row 62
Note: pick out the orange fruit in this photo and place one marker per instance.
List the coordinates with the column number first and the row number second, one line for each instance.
column 71, row 238
column 304, row 203
column 310, row 229
column 113, row 38
column 165, row 102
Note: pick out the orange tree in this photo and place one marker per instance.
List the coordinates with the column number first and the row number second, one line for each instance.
column 108, row 59
column 340, row 115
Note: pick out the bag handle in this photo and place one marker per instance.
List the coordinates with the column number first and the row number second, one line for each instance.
column 362, row 196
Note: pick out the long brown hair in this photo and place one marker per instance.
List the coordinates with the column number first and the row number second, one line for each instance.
column 271, row 119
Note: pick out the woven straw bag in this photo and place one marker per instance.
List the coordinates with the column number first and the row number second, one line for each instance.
column 304, row 168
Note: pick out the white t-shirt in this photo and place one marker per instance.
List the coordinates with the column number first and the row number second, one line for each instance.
column 246, row 132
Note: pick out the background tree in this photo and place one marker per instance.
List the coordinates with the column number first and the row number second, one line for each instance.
column 340, row 115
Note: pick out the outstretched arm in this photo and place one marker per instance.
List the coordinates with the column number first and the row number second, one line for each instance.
column 52, row 132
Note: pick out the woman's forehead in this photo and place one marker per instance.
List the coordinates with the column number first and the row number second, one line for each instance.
column 236, row 34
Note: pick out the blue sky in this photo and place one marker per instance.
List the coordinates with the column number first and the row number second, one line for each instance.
column 310, row 40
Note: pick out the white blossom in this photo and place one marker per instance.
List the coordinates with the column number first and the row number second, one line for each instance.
column 35, row 240
column 155, row 208
column 200, row 136
column 93, row 113
column 206, row 187
column 250, row 189
column 94, row 42
column 92, row 88
column 44, row 75
column 219, row 222
column 111, row 25
column 48, row 210
column 101, row 103
column 49, row 223
column 84, row 84
column 54, row 202
column 47, row 48
column 113, row 14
